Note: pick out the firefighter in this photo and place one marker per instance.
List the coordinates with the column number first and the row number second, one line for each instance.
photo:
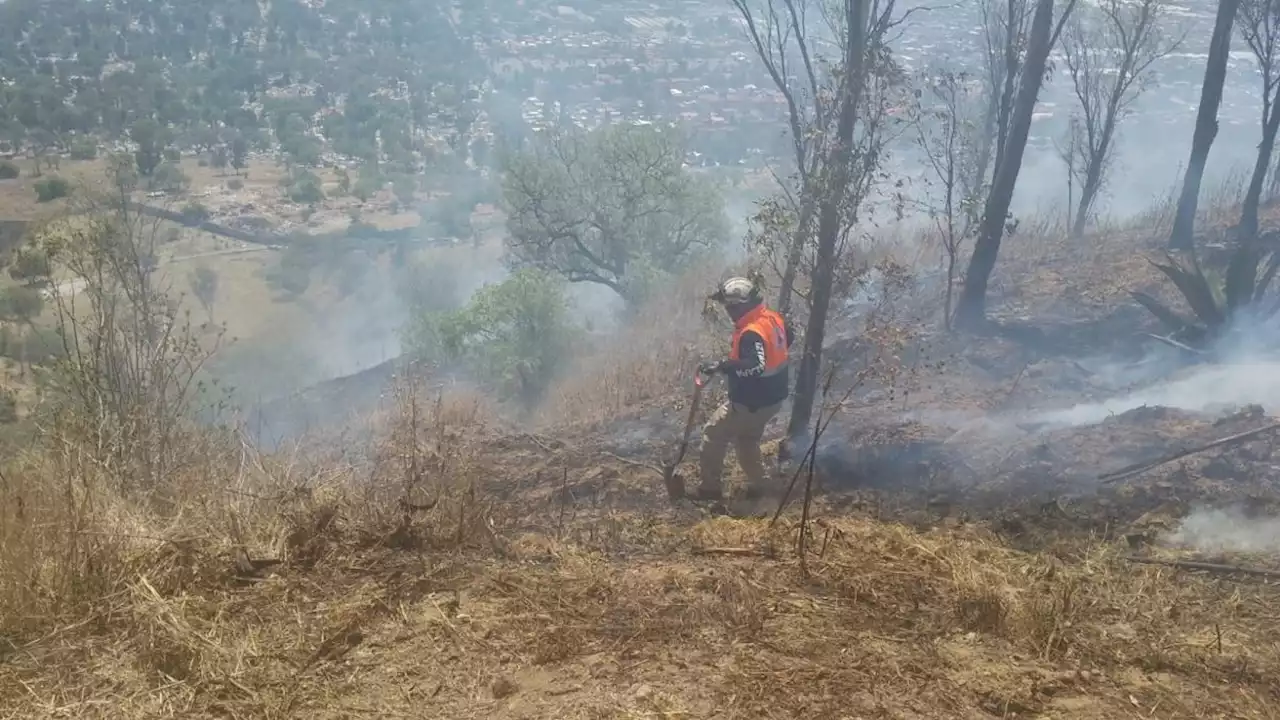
column 758, row 380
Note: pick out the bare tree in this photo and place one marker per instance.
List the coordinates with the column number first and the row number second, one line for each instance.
column 1260, row 28
column 132, row 372
column 1108, row 51
column 1215, row 76
column 847, row 170
column 948, row 124
column 1003, row 41
column 971, row 310
column 781, row 32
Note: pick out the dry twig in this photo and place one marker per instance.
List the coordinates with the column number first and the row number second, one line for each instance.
column 1139, row 468
column 1206, row 566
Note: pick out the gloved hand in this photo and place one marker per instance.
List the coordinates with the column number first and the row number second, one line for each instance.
column 711, row 367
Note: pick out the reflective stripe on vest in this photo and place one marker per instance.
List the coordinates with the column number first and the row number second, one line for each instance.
column 770, row 326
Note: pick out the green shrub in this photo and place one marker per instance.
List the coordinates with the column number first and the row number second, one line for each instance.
column 30, row 265
column 194, row 213
column 305, row 188
column 170, row 178
column 52, row 188
column 8, row 171
column 366, row 187
column 235, row 184
column 514, row 335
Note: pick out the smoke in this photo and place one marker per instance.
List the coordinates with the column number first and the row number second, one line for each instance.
column 365, row 327
column 1210, row 389
column 1225, row 530
column 361, row 330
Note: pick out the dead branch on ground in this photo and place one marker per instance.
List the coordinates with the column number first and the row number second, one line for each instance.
column 1205, row 566
column 1139, row 468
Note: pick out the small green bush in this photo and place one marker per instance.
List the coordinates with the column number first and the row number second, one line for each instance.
column 194, row 213
column 8, row 171
column 170, row 178
column 304, row 188
column 367, row 186
column 235, row 184
column 52, row 188
column 514, row 335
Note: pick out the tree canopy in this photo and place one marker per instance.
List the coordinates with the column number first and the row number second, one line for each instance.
column 614, row 206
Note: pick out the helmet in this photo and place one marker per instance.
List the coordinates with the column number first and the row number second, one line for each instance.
column 737, row 291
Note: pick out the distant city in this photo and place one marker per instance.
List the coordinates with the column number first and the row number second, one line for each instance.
column 691, row 63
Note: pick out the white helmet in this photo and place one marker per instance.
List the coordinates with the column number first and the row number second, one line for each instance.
column 737, row 291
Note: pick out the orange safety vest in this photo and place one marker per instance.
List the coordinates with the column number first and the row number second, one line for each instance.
column 771, row 328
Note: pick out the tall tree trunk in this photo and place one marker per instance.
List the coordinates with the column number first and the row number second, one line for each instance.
column 1253, row 198
column 1088, row 194
column 1215, row 75
column 1097, row 160
column 971, row 310
column 836, row 184
column 794, row 253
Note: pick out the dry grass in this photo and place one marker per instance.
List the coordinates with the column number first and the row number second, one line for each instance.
column 372, row 617
column 641, row 363
column 481, row 572
column 454, row 568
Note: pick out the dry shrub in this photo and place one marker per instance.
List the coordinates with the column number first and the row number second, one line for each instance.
column 652, row 353
column 429, row 483
column 71, row 539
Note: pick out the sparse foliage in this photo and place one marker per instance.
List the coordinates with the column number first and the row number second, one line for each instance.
column 613, row 207
column 129, row 379
column 1259, row 22
column 1216, row 306
column 1003, row 43
column 1031, row 66
column 30, row 265
column 837, row 111
column 1215, row 76
column 1108, row 50
column 947, row 120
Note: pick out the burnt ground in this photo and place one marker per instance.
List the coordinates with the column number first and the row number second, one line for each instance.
column 963, row 559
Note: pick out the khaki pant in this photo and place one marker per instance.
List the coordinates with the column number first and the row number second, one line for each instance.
column 734, row 423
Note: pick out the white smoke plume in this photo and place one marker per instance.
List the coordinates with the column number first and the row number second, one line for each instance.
column 1226, row 530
